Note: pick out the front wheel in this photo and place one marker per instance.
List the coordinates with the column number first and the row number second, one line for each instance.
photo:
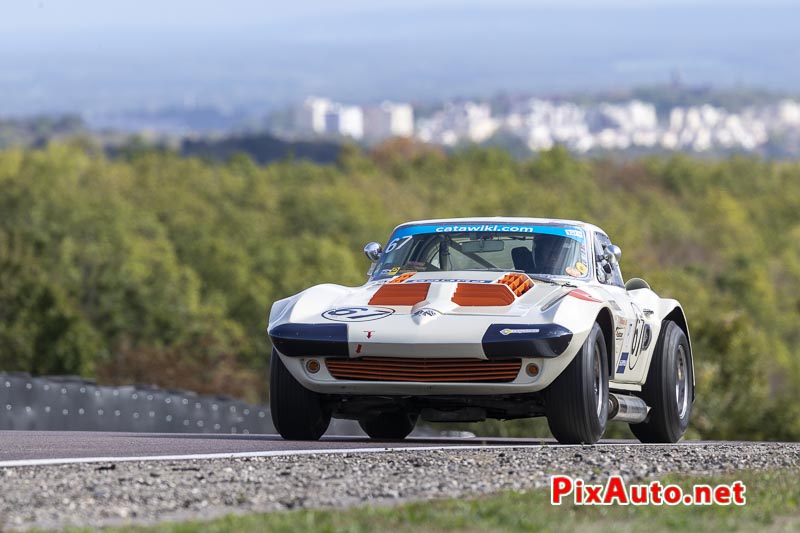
column 577, row 401
column 669, row 389
column 389, row 426
column 298, row 413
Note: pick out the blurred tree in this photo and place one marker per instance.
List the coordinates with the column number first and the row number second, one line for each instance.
column 161, row 268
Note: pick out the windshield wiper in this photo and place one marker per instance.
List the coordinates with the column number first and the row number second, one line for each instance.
column 543, row 279
column 494, row 269
column 534, row 277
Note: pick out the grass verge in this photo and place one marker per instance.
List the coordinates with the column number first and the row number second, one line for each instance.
column 773, row 504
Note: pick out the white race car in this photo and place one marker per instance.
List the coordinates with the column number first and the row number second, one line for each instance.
column 467, row 319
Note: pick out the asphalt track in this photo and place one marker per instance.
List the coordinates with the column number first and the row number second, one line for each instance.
column 64, row 446
column 55, row 480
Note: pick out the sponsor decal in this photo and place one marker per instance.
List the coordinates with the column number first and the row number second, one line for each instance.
column 509, row 331
column 426, row 312
column 510, row 341
column 358, row 349
column 623, row 361
column 620, row 333
column 648, row 336
column 357, row 314
column 573, row 272
column 485, row 227
column 448, row 280
column 582, row 268
column 570, row 232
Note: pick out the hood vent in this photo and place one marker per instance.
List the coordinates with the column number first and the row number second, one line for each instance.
column 400, row 294
column 483, row 295
column 517, row 282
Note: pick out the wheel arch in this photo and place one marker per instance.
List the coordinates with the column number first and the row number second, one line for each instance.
column 606, row 321
column 679, row 317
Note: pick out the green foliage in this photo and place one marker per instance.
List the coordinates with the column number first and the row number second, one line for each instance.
column 40, row 329
column 262, row 147
column 108, row 264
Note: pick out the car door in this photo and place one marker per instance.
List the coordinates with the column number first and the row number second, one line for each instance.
column 629, row 319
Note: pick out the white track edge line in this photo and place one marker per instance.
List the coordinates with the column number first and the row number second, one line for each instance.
column 288, row 453
column 271, row 453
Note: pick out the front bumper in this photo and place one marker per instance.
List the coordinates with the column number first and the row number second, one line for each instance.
column 324, row 383
column 550, row 346
column 499, row 341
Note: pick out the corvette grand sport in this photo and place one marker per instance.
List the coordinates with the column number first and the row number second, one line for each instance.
column 467, row 319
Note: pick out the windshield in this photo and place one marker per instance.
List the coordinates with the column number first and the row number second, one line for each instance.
column 541, row 250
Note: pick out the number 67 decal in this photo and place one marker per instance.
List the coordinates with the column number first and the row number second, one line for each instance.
column 357, row 314
column 396, row 244
column 638, row 336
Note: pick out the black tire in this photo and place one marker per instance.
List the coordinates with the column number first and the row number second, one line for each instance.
column 577, row 401
column 669, row 389
column 389, row 426
column 298, row 413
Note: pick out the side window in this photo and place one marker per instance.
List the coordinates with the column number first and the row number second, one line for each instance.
column 606, row 272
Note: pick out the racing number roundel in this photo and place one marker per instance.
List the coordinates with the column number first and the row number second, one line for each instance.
column 357, row 314
column 638, row 336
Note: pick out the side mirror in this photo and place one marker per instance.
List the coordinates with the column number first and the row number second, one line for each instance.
column 612, row 253
column 373, row 251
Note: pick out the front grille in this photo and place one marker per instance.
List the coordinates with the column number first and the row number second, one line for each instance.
column 424, row 370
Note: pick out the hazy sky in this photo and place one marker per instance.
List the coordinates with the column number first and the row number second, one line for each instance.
column 18, row 16
column 106, row 54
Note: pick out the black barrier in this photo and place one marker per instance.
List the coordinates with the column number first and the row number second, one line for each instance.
column 76, row 404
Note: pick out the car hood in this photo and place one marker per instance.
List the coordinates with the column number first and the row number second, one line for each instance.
column 452, row 314
column 454, row 293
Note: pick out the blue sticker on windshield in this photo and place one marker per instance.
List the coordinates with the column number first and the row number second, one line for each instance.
column 569, row 232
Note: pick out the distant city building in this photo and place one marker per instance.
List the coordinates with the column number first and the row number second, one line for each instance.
column 784, row 115
column 345, row 120
column 542, row 124
column 388, row 120
column 702, row 128
column 321, row 116
column 309, row 117
column 468, row 121
column 621, row 126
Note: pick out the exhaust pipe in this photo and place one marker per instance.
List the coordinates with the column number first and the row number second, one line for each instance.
column 630, row 409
